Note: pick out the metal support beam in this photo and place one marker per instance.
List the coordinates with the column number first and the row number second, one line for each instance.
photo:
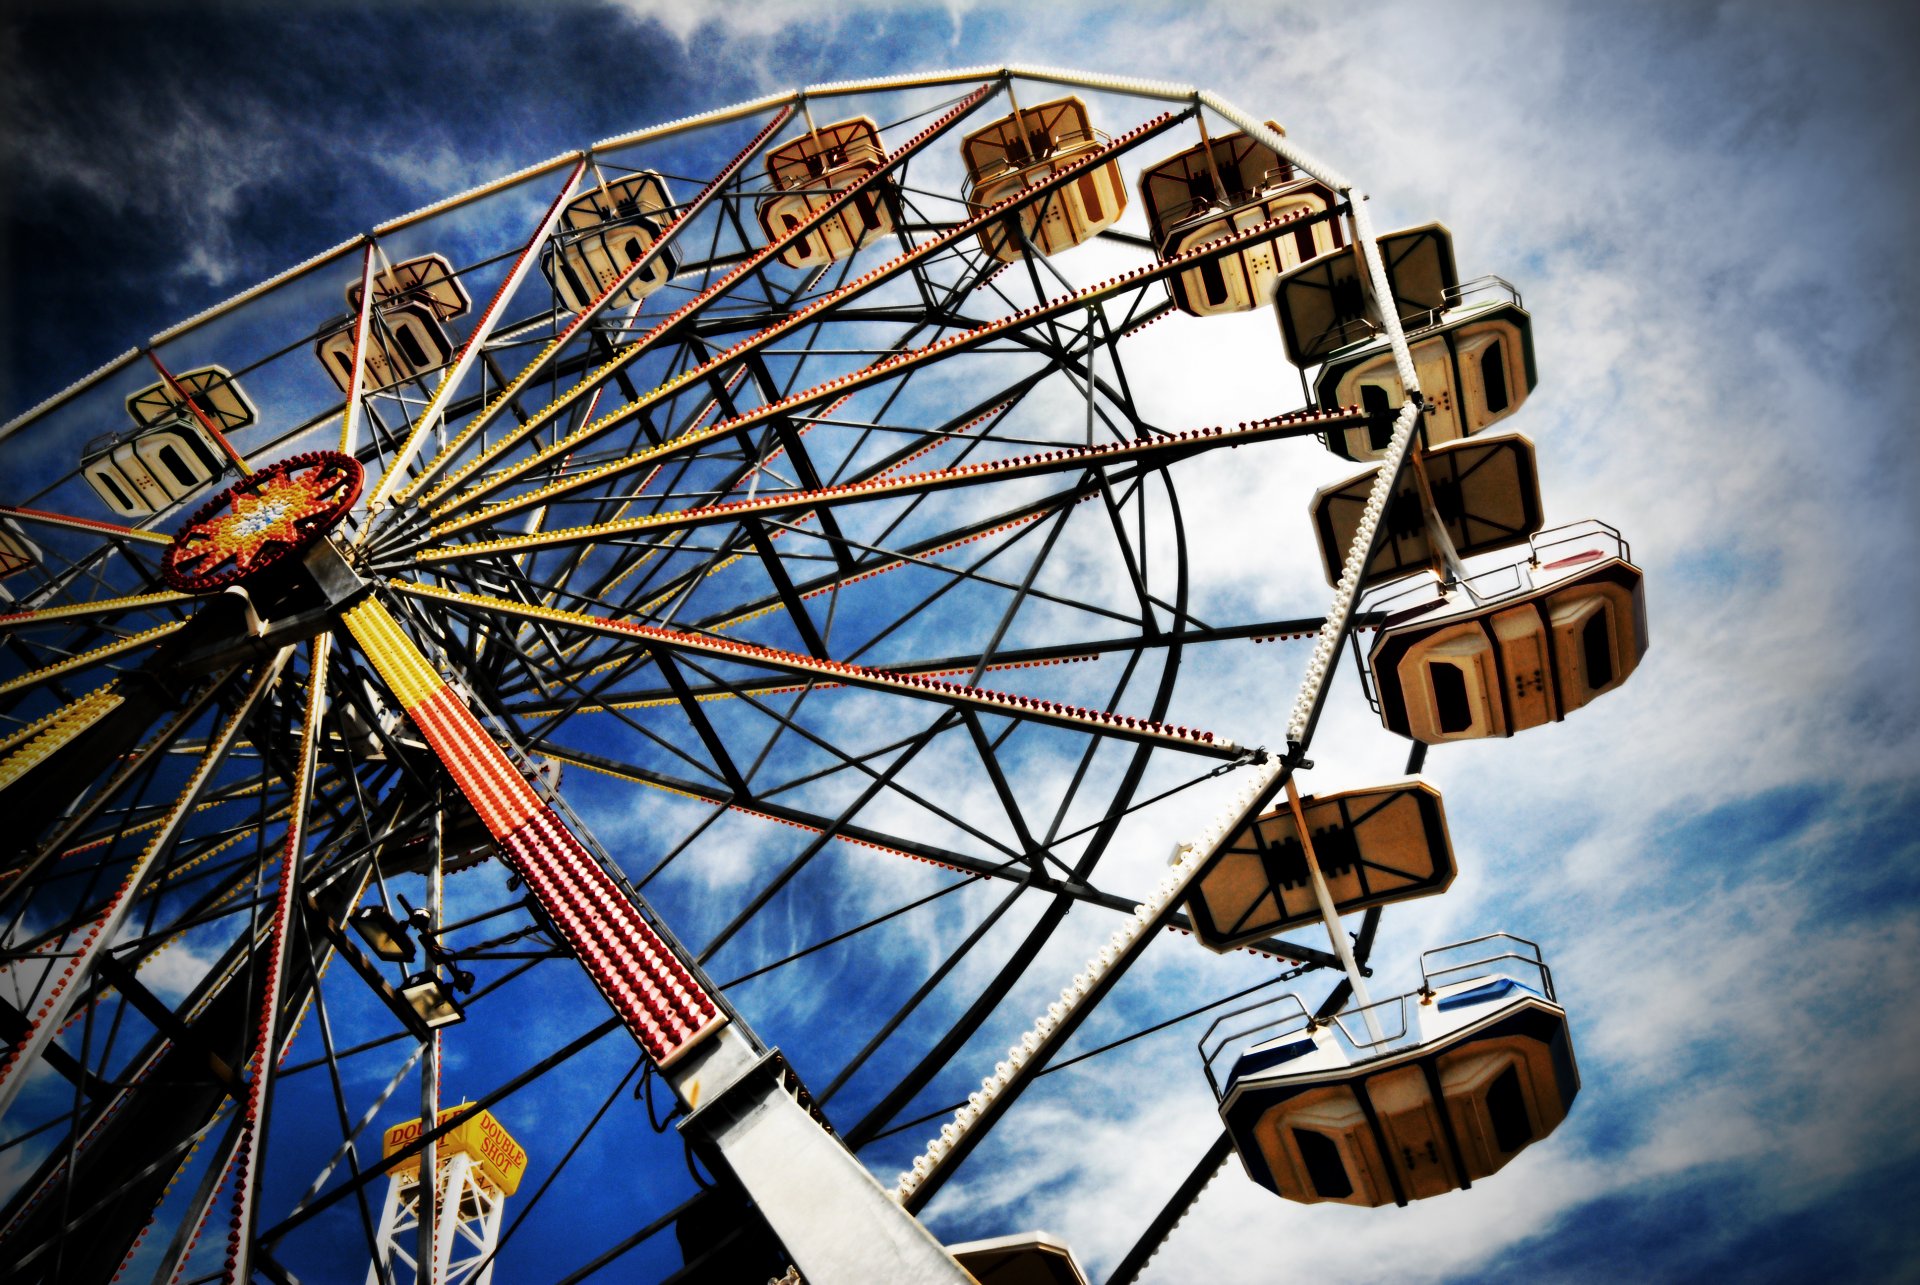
column 840, row 1226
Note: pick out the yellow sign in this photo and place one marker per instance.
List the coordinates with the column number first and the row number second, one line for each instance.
column 500, row 1159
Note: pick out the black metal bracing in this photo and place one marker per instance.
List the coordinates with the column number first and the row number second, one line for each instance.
column 964, row 585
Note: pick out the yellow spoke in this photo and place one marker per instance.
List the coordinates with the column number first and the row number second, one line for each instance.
column 98, row 607
column 119, row 647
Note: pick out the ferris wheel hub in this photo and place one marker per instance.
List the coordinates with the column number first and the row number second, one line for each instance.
column 283, row 509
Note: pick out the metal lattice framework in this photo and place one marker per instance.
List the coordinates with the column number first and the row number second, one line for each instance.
column 874, row 571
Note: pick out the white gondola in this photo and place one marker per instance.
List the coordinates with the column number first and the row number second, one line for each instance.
column 1486, row 494
column 168, row 455
column 1472, row 344
column 1373, row 846
column 605, row 232
column 1024, row 1258
column 1222, row 186
column 808, row 173
column 1512, row 648
column 1024, row 149
column 413, row 302
column 17, row 552
column 1462, row 1075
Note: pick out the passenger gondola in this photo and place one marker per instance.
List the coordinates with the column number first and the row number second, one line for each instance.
column 1373, row 846
column 1461, row 1076
column 1025, row 148
column 1486, row 497
column 810, row 172
column 168, row 455
column 604, row 232
column 1510, row 648
column 413, row 301
column 1024, row 1258
column 1220, row 186
column 1472, row 344
column 17, row 552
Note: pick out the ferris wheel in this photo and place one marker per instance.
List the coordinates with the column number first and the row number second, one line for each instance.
column 443, row 680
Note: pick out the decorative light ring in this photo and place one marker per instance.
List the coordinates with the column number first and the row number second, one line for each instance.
column 281, row 510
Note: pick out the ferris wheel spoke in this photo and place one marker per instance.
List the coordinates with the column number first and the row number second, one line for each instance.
column 90, row 658
column 331, row 1057
column 879, row 560
column 897, row 753
column 435, row 412
column 1144, row 731
column 1034, row 852
column 925, row 440
column 546, row 1065
column 480, row 1271
column 276, row 952
column 111, row 530
column 765, row 806
column 364, row 317
column 95, row 607
column 716, row 747
column 1016, row 962
column 882, row 780
column 889, row 562
column 28, row 746
column 1144, row 452
column 655, row 697
column 739, row 797
column 140, row 762
column 229, row 881
column 1293, row 628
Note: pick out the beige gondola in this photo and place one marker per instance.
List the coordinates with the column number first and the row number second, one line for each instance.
column 1025, row 148
column 17, row 552
column 603, row 233
column 168, row 455
column 1472, row 344
column 1323, row 307
column 808, row 173
column 1320, row 1110
column 1486, row 493
column 1024, row 1258
column 1221, row 186
column 1512, row 648
column 1373, row 846
column 414, row 300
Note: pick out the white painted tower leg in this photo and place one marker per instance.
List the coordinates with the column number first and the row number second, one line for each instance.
column 466, row 1228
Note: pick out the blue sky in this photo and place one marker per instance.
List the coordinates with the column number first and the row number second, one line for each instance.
column 1706, row 208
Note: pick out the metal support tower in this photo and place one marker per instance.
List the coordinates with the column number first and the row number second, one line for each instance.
column 467, row 1212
